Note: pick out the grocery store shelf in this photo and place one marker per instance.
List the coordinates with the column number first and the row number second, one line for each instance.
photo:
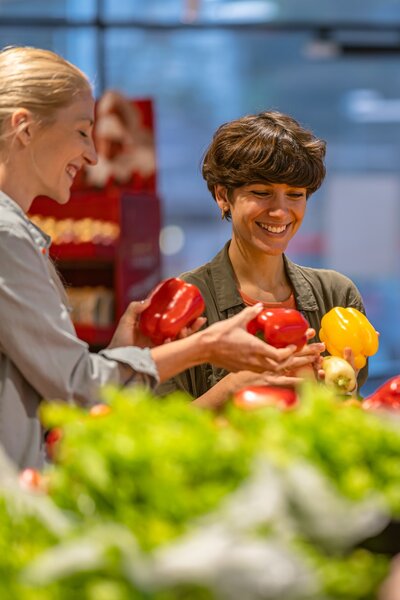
column 86, row 250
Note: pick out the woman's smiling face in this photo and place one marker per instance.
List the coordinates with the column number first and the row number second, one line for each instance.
column 265, row 216
column 59, row 150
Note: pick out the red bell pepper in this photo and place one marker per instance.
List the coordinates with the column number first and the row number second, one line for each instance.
column 387, row 396
column 280, row 327
column 52, row 442
column 252, row 397
column 174, row 305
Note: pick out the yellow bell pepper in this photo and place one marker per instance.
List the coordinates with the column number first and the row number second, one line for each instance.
column 348, row 328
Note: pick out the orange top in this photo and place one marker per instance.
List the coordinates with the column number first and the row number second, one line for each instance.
column 288, row 303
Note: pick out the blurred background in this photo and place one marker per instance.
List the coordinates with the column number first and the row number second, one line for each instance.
column 334, row 66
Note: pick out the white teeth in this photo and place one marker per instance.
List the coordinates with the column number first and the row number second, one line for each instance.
column 72, row 171
column 273, row 229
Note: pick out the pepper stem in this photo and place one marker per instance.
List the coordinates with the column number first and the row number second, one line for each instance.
column 342, row 382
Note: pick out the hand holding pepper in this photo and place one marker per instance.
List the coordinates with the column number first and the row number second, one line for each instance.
column 128, row 332
column 307, row 361
column 237, row 349
column 174, row 306
column 280, row 327
column 225, row 344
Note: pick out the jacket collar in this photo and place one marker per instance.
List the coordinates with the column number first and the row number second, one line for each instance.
column 40, row 237
column 226, row 288
column 225, row 284
column 303, row 292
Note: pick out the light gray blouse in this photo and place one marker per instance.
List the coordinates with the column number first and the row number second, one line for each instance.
column 40, row 354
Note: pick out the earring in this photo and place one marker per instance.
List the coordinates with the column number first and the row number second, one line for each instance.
column 223, row 213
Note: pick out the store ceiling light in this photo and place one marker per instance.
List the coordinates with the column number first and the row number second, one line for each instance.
column 245, row 11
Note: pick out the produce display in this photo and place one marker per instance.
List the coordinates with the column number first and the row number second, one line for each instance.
column 387, row 396
column 280, row 327
column 348, row 327
column 253, row 397
column 174, row 305
column 280, row 497
column 158, row 500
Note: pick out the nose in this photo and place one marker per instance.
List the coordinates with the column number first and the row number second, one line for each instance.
column 90, row 154
column 277, row 205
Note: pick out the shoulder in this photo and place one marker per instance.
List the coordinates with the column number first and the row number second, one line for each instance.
column 14, row 228
column 336, row 288
column 202, row 278
column 325, row 277
column 198, row 274
column 20, row 245
column 206, row 274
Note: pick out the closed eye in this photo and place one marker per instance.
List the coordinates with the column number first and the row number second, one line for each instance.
column 261, row 194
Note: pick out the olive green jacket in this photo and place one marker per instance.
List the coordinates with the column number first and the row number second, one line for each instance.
column 316, row 291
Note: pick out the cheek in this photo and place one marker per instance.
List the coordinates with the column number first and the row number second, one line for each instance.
column 300, row 212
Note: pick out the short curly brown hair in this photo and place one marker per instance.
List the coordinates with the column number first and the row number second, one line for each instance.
column 270, row 147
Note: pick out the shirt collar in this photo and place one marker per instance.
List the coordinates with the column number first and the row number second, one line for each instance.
column 225, row 284
column 40, row 237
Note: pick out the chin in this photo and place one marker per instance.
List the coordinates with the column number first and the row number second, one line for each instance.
column 274, row 251
column 62, row 198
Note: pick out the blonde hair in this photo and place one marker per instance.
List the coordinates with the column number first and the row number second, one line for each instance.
column 38, row 80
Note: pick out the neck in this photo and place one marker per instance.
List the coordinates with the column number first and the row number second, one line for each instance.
column 15, row 186
column 259, row 275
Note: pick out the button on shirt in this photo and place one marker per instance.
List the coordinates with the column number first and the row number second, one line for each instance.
column 40, row 354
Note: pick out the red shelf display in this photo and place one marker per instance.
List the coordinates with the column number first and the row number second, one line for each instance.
column 94, row 336
column 83, row 251
column 130, row 266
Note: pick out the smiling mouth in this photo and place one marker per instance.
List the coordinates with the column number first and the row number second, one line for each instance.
column 276, row 229
column 71, row 171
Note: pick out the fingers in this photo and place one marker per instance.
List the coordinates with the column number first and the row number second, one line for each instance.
column 285, row 380
column 195, row 326
column 136, row 307
column 302, row 361
column 311, row 349
column 348, row 355
column 310, row 333
column 261, row 357
column 247, row 314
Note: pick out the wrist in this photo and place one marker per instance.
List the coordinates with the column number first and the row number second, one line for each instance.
column 202, row 347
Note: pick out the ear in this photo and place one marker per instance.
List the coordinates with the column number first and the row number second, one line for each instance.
column 221, row 197
column 21, row 124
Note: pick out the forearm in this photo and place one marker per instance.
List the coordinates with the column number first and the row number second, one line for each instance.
column 177, row 356
column 217, row 396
